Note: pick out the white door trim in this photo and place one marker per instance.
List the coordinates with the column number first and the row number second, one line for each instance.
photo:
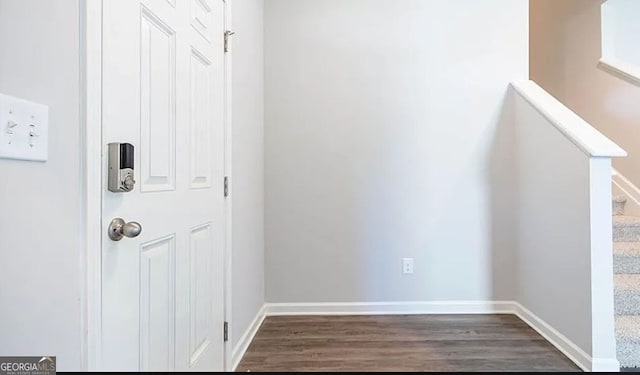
column 91, row 68
column 228, row 214
column 91, row 113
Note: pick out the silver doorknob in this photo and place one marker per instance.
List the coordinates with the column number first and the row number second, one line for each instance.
column 118, row 229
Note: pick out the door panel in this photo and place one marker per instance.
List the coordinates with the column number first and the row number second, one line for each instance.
column 200, row 117
column 157, row 291
column 157, row 107
column 163, row 92
column 201, row 297
column 202, row 19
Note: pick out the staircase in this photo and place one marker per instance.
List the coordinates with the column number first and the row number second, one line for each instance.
column 626, row 263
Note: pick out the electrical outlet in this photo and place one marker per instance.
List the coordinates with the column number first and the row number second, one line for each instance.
column 407, row 266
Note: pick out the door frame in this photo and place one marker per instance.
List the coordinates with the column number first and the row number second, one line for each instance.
column 90, row 22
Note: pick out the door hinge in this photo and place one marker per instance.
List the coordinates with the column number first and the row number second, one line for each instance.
column 226, row 332
column 226, row 186
column 227, row 34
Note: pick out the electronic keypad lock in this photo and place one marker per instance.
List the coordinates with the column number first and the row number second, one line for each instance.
column 121, row 178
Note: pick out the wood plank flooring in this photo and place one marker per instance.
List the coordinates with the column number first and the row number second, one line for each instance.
column 401, row 343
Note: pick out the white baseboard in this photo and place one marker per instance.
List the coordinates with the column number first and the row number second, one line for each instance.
column 390, row 308
column 605, row 365
column 561, row 342
column 557, row 339
column 630, row 190
column 247, row 337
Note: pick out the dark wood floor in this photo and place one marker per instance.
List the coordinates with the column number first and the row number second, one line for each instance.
column 401, row 343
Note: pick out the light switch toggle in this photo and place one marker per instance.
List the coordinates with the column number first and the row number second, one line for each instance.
column 32, row 135
column 10, row 125
column 9, row 130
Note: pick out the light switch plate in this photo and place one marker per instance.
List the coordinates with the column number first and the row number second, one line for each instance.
column 24, row 129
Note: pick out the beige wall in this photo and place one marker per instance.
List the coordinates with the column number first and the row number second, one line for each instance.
column 565, row 51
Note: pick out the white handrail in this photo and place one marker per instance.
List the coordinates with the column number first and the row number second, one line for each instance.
column 584, row 136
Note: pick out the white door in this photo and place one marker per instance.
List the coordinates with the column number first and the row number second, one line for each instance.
column 163, row 92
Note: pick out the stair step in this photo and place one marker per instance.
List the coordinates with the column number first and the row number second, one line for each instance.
column 628, row 340
column 626, row 257
column 626, row 229
column 618, row 205
column 627, row 294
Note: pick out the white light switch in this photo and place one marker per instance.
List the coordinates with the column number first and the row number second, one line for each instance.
column 24, row 129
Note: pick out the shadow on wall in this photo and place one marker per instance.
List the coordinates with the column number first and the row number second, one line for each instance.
column 453, row 213
column 388, row 200
column 503, row 180
column 378, row 144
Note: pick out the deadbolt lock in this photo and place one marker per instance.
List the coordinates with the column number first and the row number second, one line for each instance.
column 121, row 177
